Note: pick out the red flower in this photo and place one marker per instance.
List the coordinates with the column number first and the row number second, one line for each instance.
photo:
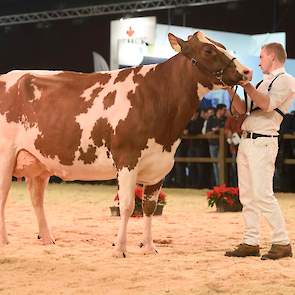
column 229, row 201
column 223, row 194
column 138, row 194
column 162, row 197
column 210, row 195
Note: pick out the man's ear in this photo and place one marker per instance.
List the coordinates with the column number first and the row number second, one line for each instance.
column 176, row 43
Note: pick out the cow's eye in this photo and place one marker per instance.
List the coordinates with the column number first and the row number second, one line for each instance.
column 208, row 50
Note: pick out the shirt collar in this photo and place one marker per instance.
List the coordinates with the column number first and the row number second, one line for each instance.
column 276, row 72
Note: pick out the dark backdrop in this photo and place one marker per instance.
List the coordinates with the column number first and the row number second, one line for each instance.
column 68, row 44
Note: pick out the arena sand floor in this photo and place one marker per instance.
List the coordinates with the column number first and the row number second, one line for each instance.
column 190, row 237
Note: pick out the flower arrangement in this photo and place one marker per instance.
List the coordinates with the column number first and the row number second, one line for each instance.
column 138, row 194
column 224, row 198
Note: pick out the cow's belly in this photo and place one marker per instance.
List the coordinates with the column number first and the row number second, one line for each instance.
column 29, row 165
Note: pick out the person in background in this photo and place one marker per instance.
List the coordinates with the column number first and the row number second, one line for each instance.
column 258, row 151
column 213, row 125
column 206, row 114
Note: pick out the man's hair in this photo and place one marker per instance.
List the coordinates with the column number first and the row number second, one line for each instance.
column 277, row 49
column 209, row 108
column 220, row 106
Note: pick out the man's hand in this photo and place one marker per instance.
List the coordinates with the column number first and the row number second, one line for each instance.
column 249, row 75
column 244, row 83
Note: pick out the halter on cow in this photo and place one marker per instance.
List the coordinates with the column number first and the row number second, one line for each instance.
column 124, row 123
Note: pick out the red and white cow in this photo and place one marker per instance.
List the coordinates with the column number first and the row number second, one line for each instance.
column 124, row 123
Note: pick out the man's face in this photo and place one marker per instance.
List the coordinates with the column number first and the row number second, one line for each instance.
column 222, row 112
column 266, row 61
column 210, row 112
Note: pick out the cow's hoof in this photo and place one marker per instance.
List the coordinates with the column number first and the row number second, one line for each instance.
column 46, row 240
column 148, row 249
column 4, row 242
column 119, row 254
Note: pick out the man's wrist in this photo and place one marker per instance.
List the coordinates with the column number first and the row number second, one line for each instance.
column 247, row 85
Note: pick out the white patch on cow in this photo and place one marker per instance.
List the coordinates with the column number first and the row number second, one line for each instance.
column 154, row 163
column 127, row 181
column 240, row 68
column 13, row 76
column 87, row 92
column 115, row 113
column 102, row 168
column 37, row 92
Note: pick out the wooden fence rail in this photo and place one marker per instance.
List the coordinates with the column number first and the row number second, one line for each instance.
column 222, row 160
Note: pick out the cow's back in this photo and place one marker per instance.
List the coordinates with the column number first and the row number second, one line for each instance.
column 67, row 120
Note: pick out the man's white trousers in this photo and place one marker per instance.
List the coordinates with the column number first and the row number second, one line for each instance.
column 256, row 165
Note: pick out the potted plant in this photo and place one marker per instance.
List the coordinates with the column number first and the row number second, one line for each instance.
column 224, row 198
column 138, row 194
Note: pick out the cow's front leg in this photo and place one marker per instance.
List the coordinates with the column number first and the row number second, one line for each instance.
column 127, row 183
column 149, row 205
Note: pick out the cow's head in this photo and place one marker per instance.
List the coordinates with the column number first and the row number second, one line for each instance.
column 212, row 59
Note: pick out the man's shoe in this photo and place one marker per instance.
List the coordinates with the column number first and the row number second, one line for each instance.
column 244, row 250
column 278, row 251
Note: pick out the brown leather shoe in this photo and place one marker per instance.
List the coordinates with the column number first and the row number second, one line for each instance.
column 278, row 251
column 244, row 250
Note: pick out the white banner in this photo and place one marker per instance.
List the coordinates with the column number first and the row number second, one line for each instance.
column 131, row 35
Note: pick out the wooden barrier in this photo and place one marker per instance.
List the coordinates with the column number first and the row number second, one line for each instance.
column 222, row 160
column 289, row 137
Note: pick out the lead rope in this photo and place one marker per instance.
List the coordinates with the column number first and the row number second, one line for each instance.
column 231, row 101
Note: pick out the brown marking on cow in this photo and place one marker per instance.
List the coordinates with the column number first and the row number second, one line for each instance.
column 102, row 78
column 156, row 106
column 137, row 78
column 89, row 157
column 109, row 99
column 149, row 190
column 59, row 134
column 95, row 92
column 12, row 104
column 149, row 206
column 122, row 75
column 102, row 132
column 137, row 69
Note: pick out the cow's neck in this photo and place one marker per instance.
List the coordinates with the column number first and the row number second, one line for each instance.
column 164, row 100
column 183, row 88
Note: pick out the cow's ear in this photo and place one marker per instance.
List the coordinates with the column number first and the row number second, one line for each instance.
column 176, row 43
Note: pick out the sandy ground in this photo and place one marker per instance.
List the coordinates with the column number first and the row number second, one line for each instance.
column 191, row 239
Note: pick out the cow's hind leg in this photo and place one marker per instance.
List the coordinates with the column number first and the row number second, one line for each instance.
column 149, row 205
column 36, row 186
column 127, row 183
column 7, row 162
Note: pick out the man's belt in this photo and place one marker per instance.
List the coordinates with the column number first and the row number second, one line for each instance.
column 254, row 135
